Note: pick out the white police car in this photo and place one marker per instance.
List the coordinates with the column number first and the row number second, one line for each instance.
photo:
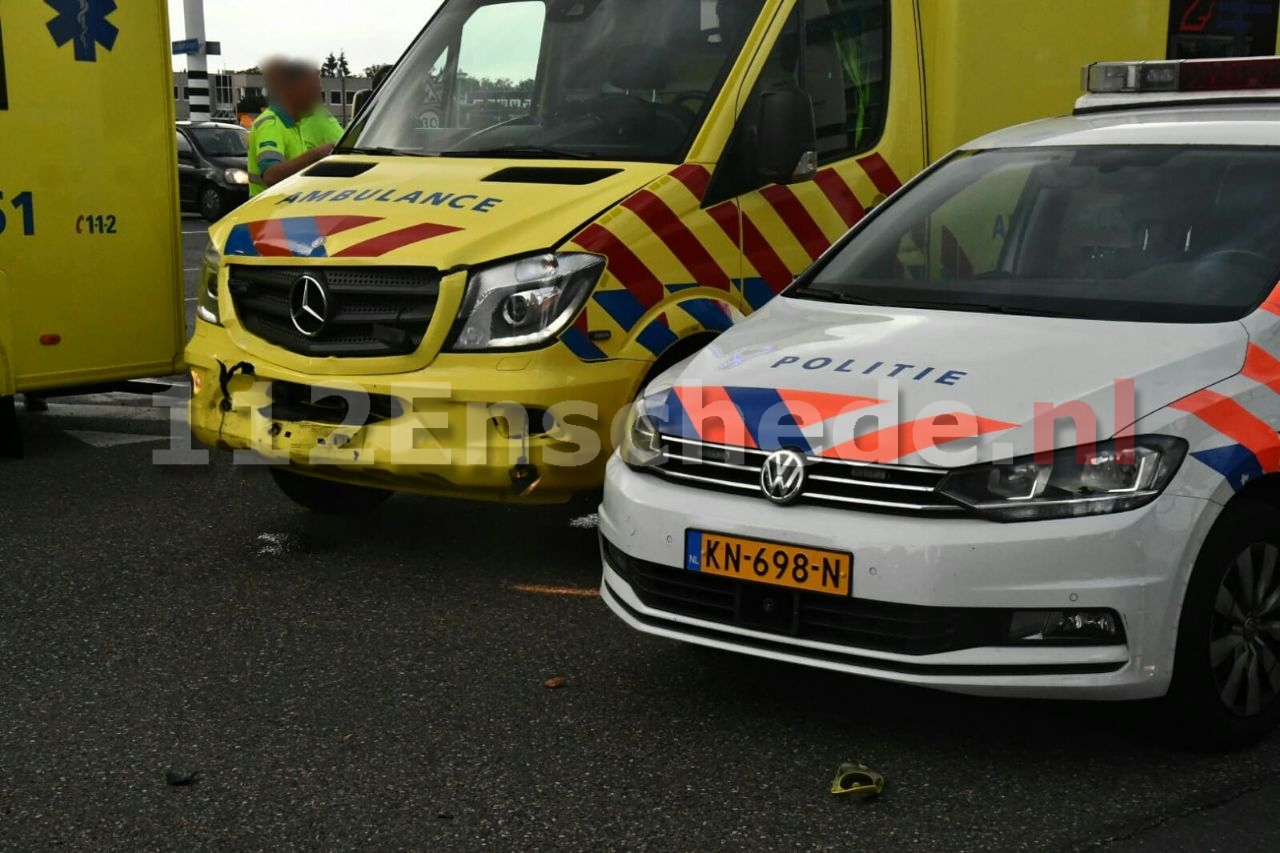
column 1015, row 435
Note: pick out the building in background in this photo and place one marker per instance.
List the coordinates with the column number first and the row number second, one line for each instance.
column 228, row 92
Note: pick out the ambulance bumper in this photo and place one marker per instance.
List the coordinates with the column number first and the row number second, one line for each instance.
column 454, row 429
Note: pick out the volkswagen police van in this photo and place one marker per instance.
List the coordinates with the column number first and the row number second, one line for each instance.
column 548, row 201
column 1015, row 435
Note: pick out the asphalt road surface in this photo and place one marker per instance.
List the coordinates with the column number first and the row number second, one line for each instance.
column 380, row 684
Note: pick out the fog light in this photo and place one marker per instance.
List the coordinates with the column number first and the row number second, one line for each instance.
column 1099, row 626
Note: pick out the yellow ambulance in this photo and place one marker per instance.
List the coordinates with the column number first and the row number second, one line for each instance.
column 550, row 201
column 90, row 252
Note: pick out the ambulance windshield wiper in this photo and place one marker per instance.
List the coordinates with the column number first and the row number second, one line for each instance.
column 379, row 152
column 519, row 151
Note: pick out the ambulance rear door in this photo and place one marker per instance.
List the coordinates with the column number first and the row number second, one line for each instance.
column 90, row 251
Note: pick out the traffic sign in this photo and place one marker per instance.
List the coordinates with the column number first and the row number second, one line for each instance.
column 187, row 46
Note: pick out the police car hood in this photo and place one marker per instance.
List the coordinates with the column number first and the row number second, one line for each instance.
column 442, row 212
column 932, row 387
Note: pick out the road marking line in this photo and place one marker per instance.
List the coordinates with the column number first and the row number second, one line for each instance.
column 569, row 591
column 111, row 412
column 93, row 438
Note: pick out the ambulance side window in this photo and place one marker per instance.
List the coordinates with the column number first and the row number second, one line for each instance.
column 844, row 68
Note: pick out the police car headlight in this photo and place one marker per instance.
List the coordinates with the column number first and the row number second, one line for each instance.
column 641, row 445
column 1089, row 480
column 207, row 299
column 526, row 303
column 236, row 176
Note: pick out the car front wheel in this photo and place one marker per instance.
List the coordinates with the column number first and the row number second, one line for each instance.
column 1226, row 681
column 327, row 497
column 213, row 206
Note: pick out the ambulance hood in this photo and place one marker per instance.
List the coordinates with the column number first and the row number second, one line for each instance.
column 845, row 372
column 443, row 212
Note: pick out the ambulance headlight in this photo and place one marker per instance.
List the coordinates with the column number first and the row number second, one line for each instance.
column 641, row 445
column 1089, row 480
column 525, row 303
column 207, row 299
column 236, row 176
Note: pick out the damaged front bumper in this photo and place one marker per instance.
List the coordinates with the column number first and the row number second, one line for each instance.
column 526, row 426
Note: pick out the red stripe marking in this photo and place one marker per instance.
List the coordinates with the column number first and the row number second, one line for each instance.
column 880, row 173
column 715, row 416
column 961, row 266
column 763, row 257
column 269, row 238
column 796, row 217
column 330, row 225
column 841, row 196
column 1235, row 421
column 583, row 323
column 1261, row 366
column 384, row 243
column 743, row 231
column 625, row 266
column 814, row 407
column 894, row 443
column 726, row 216
column 696, row 178
column 1273, row 301
column 668, row 227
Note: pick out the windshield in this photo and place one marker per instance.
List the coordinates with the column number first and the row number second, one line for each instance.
column 222, row 141
column 589, row 79
column 1136, row 233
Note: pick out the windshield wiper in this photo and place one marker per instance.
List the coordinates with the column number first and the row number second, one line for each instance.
column 979, row 308
column 519, row 151
column 378, row 152
column 820, row 294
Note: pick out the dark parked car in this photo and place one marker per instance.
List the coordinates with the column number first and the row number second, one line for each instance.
column 212, row 167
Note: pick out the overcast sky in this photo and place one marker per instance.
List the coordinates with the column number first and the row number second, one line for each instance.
column 370, row 31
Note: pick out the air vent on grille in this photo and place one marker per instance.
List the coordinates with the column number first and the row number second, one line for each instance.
column 891, row 488
column 367, row 311
column 573, row 176
column 338, row 169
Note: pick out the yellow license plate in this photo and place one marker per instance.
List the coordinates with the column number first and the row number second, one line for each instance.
column 769, row 562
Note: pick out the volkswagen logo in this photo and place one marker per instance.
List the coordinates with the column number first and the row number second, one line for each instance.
column 309, row 306
column 782, row 477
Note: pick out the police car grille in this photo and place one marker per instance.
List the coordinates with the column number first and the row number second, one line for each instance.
column 885, row 488
column 382, row 311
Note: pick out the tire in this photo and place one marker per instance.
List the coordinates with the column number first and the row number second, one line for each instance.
column 1225, row 693
column 213, row 204
column 326, row 497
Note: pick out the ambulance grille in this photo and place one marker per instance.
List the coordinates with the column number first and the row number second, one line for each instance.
column 371, row 311
column 829, row 482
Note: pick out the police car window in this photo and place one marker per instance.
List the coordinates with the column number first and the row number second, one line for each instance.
column 591, row 79
column 1137, row 233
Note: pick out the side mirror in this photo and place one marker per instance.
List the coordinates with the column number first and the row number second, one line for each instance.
column 787, row 149
column 360, row 101
column 187, row 157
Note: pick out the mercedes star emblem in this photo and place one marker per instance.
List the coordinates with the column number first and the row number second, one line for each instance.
column 309, row 306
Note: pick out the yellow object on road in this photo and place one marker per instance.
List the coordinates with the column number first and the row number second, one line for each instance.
column 90, row 252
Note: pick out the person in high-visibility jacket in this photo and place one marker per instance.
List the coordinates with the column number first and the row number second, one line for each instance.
column 319, row 127
column 281, row 144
